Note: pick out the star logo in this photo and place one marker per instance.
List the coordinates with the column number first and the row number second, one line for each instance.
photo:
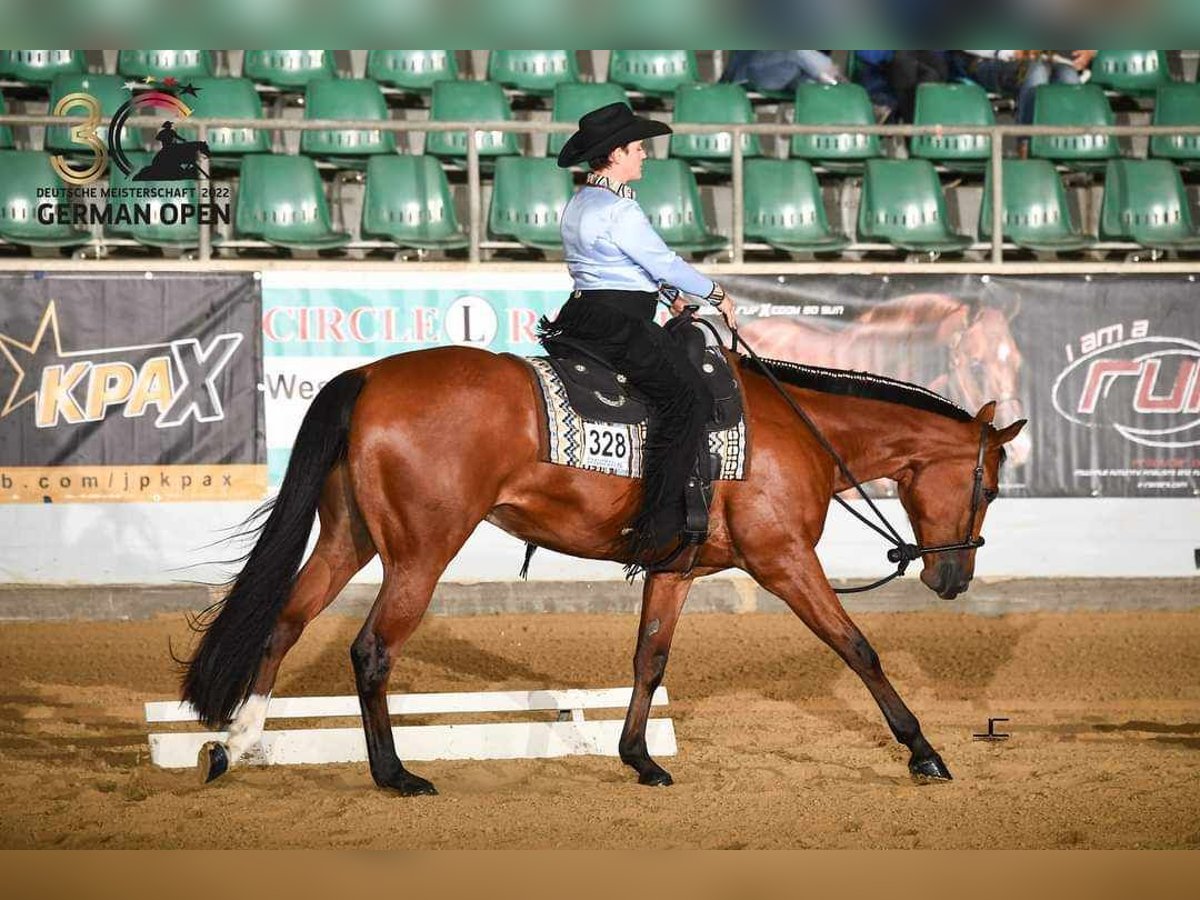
column 32, row 350
column 170, row 81
column 190, row 89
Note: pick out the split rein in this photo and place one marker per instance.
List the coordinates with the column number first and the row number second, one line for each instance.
column 902, row 552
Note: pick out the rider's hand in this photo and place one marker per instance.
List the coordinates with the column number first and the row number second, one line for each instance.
column 726, row 308
column 679, row 305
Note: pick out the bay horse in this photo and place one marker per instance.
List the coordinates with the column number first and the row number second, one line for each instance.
column 404, row 457
column 966, row 353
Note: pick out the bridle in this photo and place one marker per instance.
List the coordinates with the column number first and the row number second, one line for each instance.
column 902, row 553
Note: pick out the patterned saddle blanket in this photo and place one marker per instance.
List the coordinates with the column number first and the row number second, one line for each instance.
column 593, row 419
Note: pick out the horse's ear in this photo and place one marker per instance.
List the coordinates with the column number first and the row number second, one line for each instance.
column 987, row 412
column 1006, row 434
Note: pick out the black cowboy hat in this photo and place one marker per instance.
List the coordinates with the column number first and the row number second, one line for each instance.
column 603, row 130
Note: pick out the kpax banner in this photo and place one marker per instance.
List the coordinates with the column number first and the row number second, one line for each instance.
column 130, row 387
column 1106, row 368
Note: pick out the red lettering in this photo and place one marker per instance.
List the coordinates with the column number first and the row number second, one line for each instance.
column 425, row 323
column 1147, row 402
column 521, row 323
column 329, row 324
column 354, row 323
column 272, row 324
column 1100, row 373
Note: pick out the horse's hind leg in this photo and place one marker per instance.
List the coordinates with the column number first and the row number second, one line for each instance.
column 416, row 554
column 344, row 547
column 397, row 612
column 801, row 584
column 662, row 601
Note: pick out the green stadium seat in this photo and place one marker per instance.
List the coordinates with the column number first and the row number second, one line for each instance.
column 573, row 99
column 528, row 198
column 228, row 98
column 533, row 71
column 1177, row 104
column 712, row 103
column 412, row 70
column 834, row 104
column 288, row 68
column 181, row 64
column 1144, row 201
column 953, row 104
column 902, row 204
column 408, row 201
column 40, row 66
column 349, row 98
column 281, row 200
column 1133, row 72
column 1036, row 215
column 671, row 200
column 22, row 174
column 461, row 101
column 783, row 207
column 108, row 90
column 6, row 135
column 656, row 72
column 156, row 233
column 1073, row 104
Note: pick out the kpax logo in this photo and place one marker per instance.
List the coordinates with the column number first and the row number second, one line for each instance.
column 1145, row 387
column 176, row 380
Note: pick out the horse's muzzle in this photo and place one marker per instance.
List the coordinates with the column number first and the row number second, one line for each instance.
column 947, row 580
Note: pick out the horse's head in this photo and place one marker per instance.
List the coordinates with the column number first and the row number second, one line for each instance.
column 946, row 493
column 985, row 361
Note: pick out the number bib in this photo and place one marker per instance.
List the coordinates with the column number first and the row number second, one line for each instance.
column 609, row 447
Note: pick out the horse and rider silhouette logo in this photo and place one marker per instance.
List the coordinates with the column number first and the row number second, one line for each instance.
column 178, row 159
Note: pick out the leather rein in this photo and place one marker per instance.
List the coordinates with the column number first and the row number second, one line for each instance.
column 902, row 553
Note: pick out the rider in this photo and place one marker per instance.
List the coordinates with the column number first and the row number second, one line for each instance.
column 618, row 262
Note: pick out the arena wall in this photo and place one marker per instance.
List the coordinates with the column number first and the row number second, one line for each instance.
column 165, row 543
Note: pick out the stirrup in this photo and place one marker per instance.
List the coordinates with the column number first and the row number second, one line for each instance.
column 697, row 498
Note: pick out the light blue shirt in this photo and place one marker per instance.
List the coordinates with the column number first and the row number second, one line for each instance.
column 609, row 244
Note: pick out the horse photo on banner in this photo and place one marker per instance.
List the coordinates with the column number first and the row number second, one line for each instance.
column 132, row 388
column 1107, row 370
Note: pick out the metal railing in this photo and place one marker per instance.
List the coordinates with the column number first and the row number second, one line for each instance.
column 997, row 133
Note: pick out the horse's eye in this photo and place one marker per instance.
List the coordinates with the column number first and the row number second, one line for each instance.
column 989, row 494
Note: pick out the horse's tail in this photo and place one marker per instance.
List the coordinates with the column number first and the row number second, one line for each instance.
column 221, row 674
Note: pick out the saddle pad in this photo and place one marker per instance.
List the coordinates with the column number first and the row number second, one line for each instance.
column 614, row 447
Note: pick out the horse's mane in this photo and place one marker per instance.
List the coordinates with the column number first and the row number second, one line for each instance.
column 866, row 385
column 913, row 309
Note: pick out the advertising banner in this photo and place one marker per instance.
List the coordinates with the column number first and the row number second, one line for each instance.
column 130, row 387
column 1105, row 368
column 317, row 324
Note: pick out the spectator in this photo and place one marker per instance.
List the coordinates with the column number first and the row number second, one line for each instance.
column 780, row 70
column 1019, row 73
column 891, row 78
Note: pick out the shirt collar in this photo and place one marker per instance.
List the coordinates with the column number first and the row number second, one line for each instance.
column 620, row 188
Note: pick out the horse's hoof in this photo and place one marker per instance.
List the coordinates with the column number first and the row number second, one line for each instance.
column 929, row 769
column 212, row 762
column 409, row 785
column 656, row 777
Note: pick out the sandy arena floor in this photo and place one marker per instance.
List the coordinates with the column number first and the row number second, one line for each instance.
column 780, row 745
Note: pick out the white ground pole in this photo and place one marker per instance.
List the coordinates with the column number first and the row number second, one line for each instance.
column 570, row 734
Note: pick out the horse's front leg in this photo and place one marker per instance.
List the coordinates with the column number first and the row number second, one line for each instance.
column 662, row 601
column 796, row 577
